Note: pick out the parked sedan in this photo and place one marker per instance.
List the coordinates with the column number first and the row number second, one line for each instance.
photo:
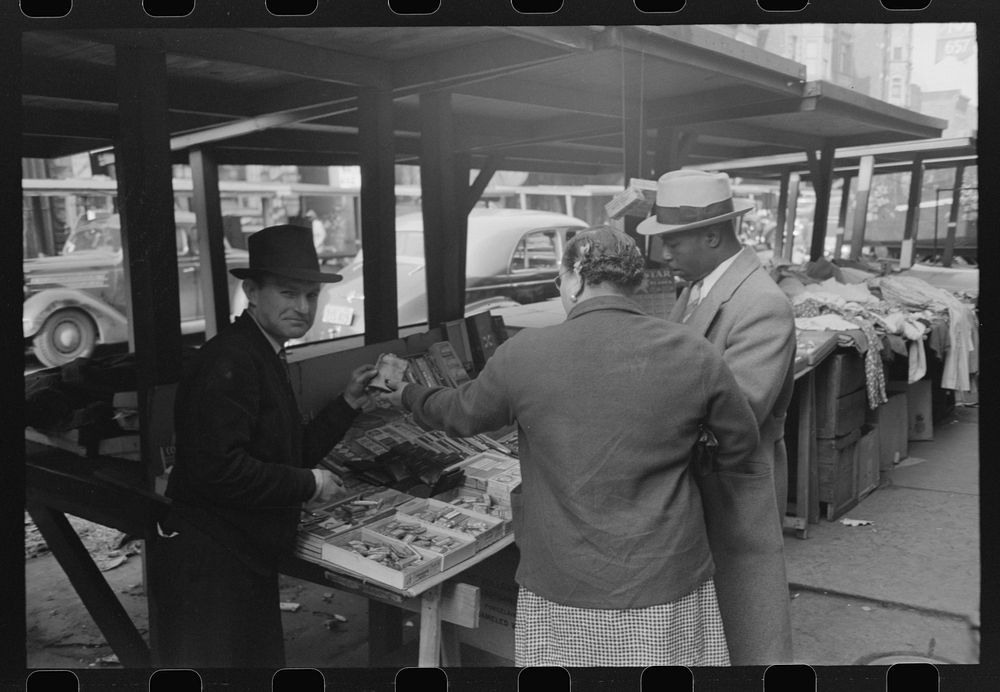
column 512, row 257
column 78, row 299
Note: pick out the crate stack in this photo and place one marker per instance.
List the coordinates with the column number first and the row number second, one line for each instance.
column 847, row 447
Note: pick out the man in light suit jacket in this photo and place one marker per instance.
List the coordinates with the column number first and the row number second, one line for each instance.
column 734, row 303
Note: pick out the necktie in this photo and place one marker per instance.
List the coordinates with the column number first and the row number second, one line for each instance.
column 283, row 356
column 694, row 297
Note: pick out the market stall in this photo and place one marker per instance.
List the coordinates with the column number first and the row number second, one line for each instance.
column 905, row 350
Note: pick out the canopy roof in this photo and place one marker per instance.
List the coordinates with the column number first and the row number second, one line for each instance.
column 526, row 98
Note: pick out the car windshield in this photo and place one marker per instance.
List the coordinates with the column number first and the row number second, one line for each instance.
column 93, row 236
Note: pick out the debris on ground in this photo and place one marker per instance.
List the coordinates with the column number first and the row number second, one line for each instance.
column 289, row 607
column 855, row 522
column 111, row 660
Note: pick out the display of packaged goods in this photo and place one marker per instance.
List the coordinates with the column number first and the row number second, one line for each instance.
column 475, row 500
column 481, row 468
column 444, row 356
column 458, row 337
column 482, row 338
column 380, row 558
column 483, row 527
column 502, row 485
column 452, row 546
column 635, row 200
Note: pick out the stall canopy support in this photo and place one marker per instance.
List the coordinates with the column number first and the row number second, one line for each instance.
column 821, row 170
column 211, row 249
column 912, row 213
column 378, row 214
column 866, row 167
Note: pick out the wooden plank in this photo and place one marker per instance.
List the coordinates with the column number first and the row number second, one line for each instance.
column 378, row 215
column 211, row 250
column 459, row 604
column 912, row 222
column 953, row 212
column 100, row 601
column 778, row 245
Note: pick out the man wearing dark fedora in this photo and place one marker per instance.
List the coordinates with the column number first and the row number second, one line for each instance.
column 245, row 464
column 732, row 301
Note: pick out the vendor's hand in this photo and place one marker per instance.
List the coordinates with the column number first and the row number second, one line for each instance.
column 355, row 394
column 328, row 488
column 395, row 396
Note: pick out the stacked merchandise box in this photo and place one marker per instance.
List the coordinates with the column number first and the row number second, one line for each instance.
column 321, row 524
column 841, row 402
column 919, row 408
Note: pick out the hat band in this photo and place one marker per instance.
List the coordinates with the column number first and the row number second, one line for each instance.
column 674, row 216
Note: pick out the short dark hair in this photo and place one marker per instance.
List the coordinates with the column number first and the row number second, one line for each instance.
column 603, row 254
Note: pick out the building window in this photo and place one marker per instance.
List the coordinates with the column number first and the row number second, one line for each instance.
column 896, row 88
column 897, row 52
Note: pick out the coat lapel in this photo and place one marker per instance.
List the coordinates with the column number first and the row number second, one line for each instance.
column 703, row 316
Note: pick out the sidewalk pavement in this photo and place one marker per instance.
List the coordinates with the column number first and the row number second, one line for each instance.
column 907, row 585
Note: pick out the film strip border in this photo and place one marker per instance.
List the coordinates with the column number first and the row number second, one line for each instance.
column 898, row 677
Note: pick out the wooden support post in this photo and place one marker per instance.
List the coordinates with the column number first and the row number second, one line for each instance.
column 822, row 179
column 953, row 212
column 778, row 244
column 443, row 207
column 148, row 233
column 213, row 277
column 912, row 213
column 378, row 214
column 429, row 654
column 845, row 201
column 793, row 202
column 100, row 601
column 866, row 167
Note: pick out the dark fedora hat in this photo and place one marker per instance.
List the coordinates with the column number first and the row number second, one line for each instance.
column 286, row 250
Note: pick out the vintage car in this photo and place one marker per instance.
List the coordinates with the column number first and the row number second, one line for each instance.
column 77, row 299
column 512, row 257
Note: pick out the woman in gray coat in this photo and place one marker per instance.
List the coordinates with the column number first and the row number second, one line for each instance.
column 615, row 568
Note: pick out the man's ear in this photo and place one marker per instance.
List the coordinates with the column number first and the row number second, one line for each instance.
column 711, row 237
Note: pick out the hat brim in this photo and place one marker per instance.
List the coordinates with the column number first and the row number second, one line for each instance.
column 651, row 226
column 298, row 274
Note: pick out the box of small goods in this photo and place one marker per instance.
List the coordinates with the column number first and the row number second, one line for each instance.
column 452, row 546
column 482, row 527
column 383, row 559
column 477, row 501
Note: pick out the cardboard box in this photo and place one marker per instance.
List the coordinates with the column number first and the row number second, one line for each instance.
column 338, row 552
column 892, row 425
column 868, row 461
column 476, row 500
column 480, row 469
column 919, row 409
column 497, row 604
column 482, row 527
column 452, row 546
column 840, row 374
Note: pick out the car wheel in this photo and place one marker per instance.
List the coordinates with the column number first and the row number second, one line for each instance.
column 65, row 336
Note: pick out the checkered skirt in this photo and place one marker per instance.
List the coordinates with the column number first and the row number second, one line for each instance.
column 686, row 632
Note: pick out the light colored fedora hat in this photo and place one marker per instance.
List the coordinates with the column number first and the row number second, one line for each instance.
column 690, row 199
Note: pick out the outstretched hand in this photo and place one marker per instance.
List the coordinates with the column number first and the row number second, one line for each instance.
column 395, row 395
column 355, row 393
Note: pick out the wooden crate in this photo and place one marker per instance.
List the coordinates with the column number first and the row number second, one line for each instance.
column 868, row 461
column 891, row 421
column 837, row 465
column 837, row 417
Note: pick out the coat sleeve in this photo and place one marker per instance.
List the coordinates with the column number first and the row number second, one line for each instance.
column 480, row 405
column 215, row 422
column 326, row 430
column 731, row 419
column 759, row 350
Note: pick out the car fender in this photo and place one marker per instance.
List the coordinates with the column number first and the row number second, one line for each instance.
column 112, row 325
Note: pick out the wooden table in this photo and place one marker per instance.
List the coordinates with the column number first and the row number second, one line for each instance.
column 109, row 492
